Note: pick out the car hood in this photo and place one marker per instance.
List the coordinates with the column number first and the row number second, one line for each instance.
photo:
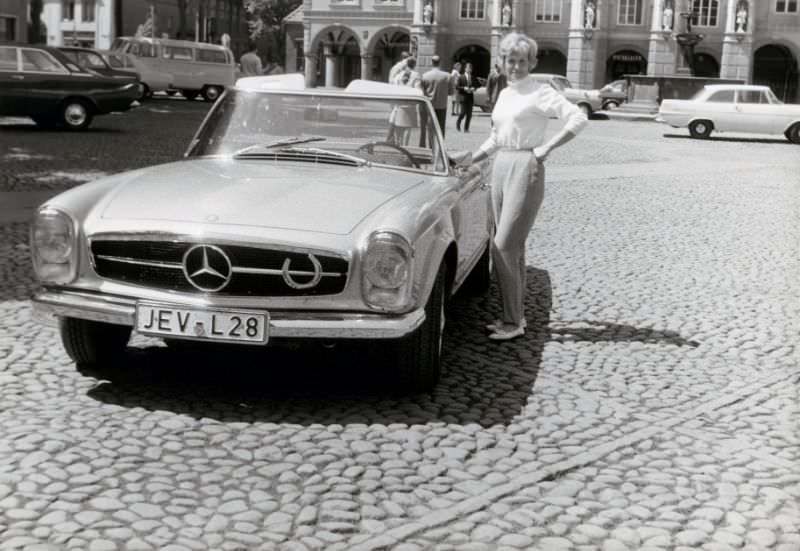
column 285, row 195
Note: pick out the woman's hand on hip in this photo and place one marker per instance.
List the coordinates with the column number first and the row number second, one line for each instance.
column 541, row 153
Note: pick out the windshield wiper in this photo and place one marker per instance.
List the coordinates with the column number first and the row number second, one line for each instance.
column 279, row 143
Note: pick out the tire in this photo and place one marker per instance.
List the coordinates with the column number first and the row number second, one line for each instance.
column 585, row 109
column 793, row 134
column 75, row 114
column 418, row 356
column 171, row 92
column 480, row 278
column 147, row 93
column 211, row 93
column 610, row 105
column 189, row 94
column 701, row 129
column 95, row 347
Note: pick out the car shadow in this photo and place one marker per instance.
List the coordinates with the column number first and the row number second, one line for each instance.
column 22, row 128
column 732, row 139
column 599, row 331
column 483, row 382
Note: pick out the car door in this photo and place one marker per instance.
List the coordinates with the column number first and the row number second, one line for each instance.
column 756, row 112
column 471, row 216
column 45, row 81
column 719, row 108
column 12, row 81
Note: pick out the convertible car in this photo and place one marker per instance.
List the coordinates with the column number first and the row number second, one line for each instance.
column 733, row 108
column 296, row 213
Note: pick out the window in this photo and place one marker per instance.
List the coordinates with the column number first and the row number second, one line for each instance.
column 473, row 9
column 786, row 6
column 752, row 96
column 142, row 49
column 68, row 10
column 723, row 96
column 8, row 59
column 211, row 56
column 87, row 11
column 630, row 12
column 548, row 11
column 705, row 13
column 177, row 52
column 91, row 60
column 8, row 26
column 40, row 62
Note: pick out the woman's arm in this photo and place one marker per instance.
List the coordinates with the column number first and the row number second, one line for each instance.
column 555, row 104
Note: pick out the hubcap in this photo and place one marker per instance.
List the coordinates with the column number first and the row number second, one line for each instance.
column 701, row 128
column 75, row 114
column 212, row 92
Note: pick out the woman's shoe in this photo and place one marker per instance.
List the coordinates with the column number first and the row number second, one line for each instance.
column 498, row 324
column 507, row 334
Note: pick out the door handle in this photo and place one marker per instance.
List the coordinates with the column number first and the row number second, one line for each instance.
column 18, row 77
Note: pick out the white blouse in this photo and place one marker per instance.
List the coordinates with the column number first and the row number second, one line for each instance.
column 521, row 114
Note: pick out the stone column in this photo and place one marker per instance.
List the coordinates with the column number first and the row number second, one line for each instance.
column 51, row 18
column 661, row 54
column 330, row 64
column 418, row 5
column 310, row 69
column 737, row 48
column 582, row 54
column 366, row 67
column 516, row 9
column 104, row 34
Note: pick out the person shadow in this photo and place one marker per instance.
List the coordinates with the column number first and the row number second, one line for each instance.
column 483, row 382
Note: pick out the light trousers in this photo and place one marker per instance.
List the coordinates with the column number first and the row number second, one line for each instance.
column 517, row 194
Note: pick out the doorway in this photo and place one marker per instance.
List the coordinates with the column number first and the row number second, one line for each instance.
column 479, row 56
column 776, row 67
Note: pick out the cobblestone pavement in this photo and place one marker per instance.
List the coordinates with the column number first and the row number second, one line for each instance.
column 653, row 405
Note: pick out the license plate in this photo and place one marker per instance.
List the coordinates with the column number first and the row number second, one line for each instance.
column 213, row 325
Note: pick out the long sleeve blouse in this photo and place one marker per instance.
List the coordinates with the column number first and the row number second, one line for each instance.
column 523, row 109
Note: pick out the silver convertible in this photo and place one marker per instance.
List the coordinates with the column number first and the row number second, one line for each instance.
column 296, row 214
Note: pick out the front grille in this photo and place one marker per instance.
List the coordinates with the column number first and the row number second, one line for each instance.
column 159, row 265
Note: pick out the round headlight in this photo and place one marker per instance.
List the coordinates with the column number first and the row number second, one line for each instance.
column 387, row 272
column 386, row 265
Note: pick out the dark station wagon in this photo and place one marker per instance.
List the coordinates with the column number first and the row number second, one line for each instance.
column 40, row 82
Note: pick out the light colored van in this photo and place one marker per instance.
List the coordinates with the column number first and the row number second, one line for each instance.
column 197, row 68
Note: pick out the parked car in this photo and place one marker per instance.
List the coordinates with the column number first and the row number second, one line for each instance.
column 296, row 213
column 733, row 108
column 614, row 94
column 42, row 83
column 588, row 101
column 152, row 81
column 196, row 68
column 92, row 60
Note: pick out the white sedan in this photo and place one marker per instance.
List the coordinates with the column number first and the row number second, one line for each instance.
column 733, row 108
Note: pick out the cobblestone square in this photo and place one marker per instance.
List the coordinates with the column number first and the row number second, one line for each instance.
column 653, row 404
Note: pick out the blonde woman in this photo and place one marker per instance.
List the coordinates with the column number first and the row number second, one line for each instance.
column 519, row 122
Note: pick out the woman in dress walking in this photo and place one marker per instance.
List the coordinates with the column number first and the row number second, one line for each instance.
column 519, row 122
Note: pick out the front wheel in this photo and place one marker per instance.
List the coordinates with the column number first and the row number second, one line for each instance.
column 75, row 114
column 211, row 93
column 95, row 347
column 585, row 109
column 480, row 278
column 700, row 129
column 418, row 356
column 610, row 105
column 146, row 92
column 793, row 134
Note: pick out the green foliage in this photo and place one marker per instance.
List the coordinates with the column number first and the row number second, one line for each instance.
column 266, row 16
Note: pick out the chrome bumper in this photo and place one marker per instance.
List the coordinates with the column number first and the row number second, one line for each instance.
column 49, row 305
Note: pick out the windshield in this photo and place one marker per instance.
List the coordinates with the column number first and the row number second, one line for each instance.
column 283, row 126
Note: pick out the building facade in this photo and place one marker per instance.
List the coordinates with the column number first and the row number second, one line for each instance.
column 13, row 21
column 590, row 41
column 96, row 23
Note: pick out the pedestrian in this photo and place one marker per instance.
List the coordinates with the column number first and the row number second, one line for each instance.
column 467, row 83
column 397, row 67
column 436, row 85
column 517, row 180
column 404, row 117
column 495, row 83
column 250, row 62
column 455, row 74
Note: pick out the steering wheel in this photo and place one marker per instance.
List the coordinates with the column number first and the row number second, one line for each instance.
column 370, row 147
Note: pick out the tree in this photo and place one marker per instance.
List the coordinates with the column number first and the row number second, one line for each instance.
column 266, row 21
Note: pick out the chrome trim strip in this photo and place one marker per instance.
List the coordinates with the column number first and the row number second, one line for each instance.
column 51, row 303
column 270, row 271
column 151, row 263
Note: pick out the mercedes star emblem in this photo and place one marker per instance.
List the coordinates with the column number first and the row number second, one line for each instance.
column 207, row 268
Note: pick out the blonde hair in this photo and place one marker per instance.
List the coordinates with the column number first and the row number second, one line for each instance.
column 520, row 44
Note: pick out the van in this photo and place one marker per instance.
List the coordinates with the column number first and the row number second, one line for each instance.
column 196, row 68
